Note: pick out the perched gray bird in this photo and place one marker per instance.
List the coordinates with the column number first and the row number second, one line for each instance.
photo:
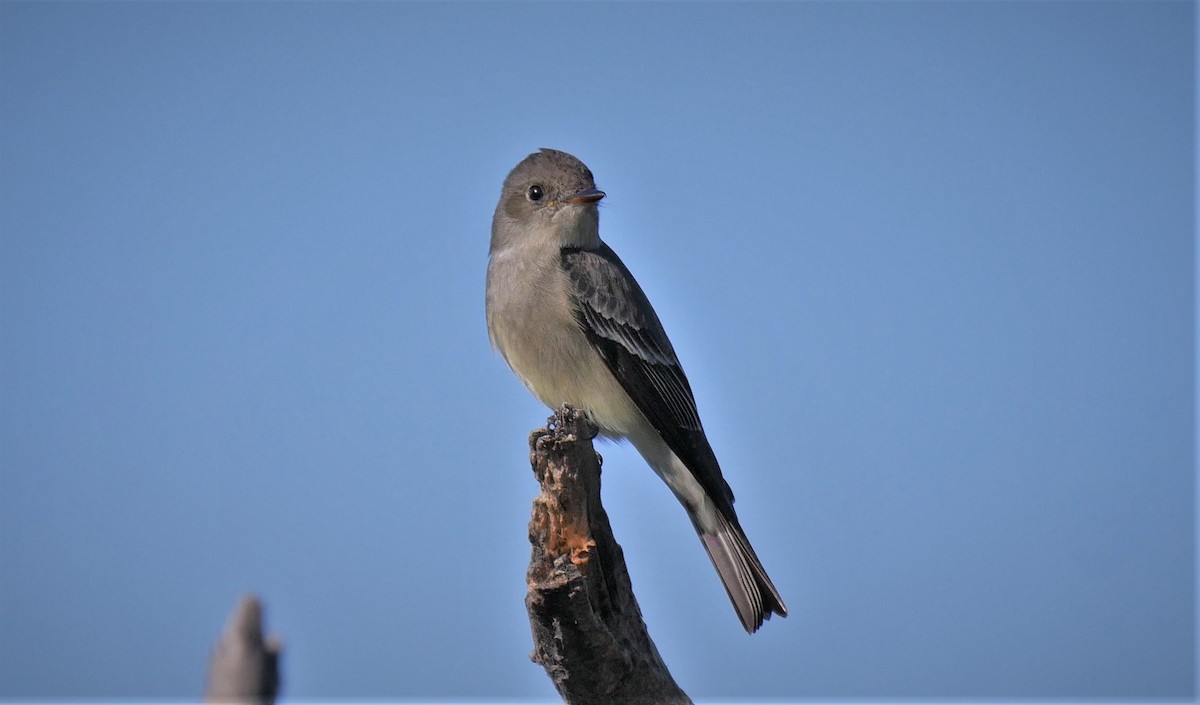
column 572, row 322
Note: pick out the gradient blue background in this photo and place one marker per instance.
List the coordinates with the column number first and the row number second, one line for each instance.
column 929, row 266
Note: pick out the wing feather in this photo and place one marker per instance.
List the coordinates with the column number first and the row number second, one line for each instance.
column 619, row 322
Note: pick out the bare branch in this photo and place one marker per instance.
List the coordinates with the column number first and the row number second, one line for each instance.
column 587, row 629
column 245, row 665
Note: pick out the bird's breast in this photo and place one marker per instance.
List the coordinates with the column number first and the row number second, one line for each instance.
column 531, row 321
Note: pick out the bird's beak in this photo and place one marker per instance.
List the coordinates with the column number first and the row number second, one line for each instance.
column 586, row 196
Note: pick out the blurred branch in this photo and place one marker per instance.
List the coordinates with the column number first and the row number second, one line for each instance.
column 587, row 629
column 245, row 666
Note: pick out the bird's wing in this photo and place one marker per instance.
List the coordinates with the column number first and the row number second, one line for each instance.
column 619, row 322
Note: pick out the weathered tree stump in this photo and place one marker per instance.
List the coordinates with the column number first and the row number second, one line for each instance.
column 245, row 665
column 587, row 628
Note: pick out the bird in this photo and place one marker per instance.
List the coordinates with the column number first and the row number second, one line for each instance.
column 574, row 325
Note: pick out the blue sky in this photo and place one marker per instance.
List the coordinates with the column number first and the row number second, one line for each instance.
column 929, row 267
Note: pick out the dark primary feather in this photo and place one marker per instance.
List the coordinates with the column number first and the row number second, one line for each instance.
column 617, row 318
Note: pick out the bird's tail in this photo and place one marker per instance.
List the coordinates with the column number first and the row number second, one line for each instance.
column 750, row 589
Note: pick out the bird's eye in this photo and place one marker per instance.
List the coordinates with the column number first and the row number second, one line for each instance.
column 535, row 193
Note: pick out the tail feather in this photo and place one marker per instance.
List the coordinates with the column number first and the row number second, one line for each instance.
column 753, row 594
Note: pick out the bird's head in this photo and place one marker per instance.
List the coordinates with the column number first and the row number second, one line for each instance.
column 549, row 198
